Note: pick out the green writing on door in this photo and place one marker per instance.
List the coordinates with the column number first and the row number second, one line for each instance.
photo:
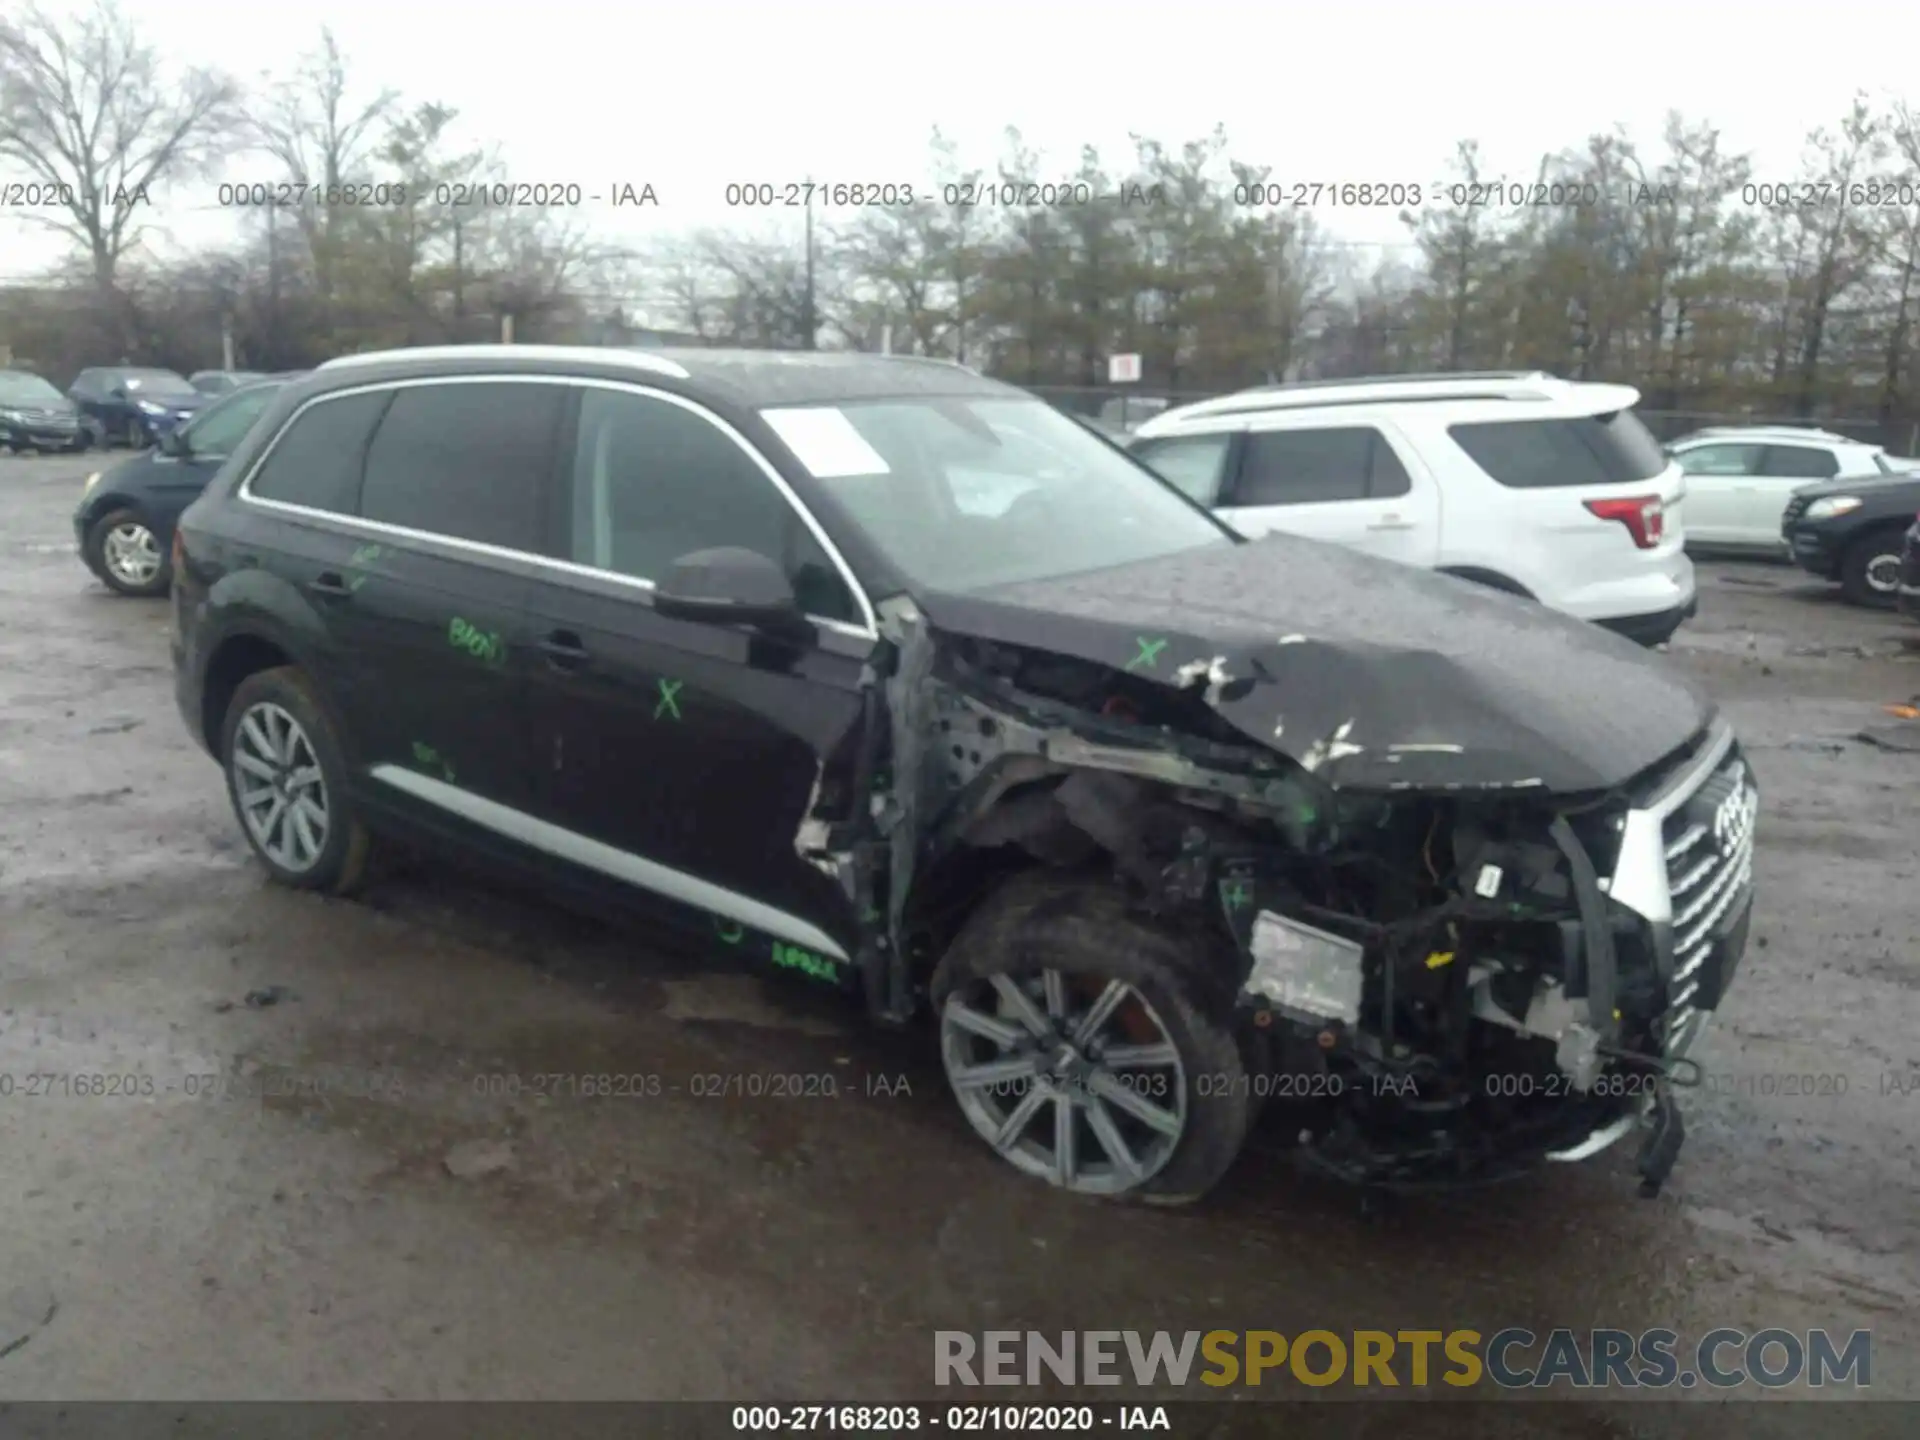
column 792, row 957
column 483, row 645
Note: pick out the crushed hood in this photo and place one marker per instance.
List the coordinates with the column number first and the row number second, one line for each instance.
column 1369, row 673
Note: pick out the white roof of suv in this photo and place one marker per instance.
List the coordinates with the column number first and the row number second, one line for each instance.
column 1508, row 386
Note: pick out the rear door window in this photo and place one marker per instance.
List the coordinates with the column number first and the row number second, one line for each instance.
column 315, row 461
column 1306, row 467
column 1801, row 461
column 467, row 460
column 1721, row 460
column 1611, row 449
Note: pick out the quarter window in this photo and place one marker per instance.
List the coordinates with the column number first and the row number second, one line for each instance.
column 653, row 481
column 1611, row 449
column 466, row 460
column 315, row 462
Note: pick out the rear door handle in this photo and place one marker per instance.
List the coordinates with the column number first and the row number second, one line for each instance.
column 1392, row 522
column 329, row 584
column 564, row 650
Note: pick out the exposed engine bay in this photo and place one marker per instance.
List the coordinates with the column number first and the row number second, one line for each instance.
column 1433, row 981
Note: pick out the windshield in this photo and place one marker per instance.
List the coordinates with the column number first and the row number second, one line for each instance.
column 155, row 382
column 961, row 494
column 17, row 388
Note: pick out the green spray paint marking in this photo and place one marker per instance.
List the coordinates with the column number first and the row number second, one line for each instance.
column 729, row 933
column 1149, row 654
column 1234, row 894
column 792, row 957
column 483, row 645
column 365, row 555
column 669, row 700
column 433, row 759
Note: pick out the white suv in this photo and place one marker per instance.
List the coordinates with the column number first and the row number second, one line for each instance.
column 1545, row 487
column 1739, row 479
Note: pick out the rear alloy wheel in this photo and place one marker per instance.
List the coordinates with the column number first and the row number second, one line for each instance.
column 126, row 554
column 1082, row 1046
column 1870, row 570
column 285, row 775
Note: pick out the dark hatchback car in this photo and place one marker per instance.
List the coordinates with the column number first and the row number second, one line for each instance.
column 1852, row 531
column 35, row 416
column 1149, row 823
column 132, row 406
column 124, row 521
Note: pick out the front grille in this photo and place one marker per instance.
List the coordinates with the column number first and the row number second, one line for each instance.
column 1796, row 507
column 1709, row 845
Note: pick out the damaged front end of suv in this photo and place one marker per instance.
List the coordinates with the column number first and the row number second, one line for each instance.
column 1457, row 888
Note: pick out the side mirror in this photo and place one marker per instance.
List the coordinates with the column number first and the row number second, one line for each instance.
column 174, row 443
column 119, row 392
column 731, row 586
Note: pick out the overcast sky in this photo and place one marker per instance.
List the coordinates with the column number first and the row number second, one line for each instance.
column 691, row 96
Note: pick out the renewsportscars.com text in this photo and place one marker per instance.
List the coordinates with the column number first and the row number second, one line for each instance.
column 1510, row 1359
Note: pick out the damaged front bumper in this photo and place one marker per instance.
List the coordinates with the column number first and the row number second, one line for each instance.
column 1656, row 943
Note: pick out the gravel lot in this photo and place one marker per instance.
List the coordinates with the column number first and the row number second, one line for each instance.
column 407, row 1235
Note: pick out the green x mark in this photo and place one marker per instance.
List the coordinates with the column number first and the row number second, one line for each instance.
column 1149, row 652
column 669, row 699
column 1234, row 893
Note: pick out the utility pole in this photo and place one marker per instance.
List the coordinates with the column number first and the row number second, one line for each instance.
column 809, row 324
column 226, row 342
column 506, row 328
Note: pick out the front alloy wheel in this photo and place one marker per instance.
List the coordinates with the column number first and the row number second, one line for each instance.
column 1870, row 570
column 125, row 553
column 1089, row 1094
column 279, row 789
column 1091, row 1046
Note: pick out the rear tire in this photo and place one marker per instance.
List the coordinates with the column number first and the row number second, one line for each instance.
column 1153, row 1103
column 1870, row 569
column 287, row 778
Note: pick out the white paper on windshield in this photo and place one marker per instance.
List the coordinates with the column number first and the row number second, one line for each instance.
column 826, row 442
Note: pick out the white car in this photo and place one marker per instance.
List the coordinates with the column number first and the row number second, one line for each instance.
column 1739, row 479
column 1548, row 488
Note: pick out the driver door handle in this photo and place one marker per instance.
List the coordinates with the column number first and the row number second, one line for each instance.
column 329, row 584
column 564, row 650
column 1390, row 522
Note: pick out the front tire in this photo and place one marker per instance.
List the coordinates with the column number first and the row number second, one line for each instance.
column 1870, row 569
column 287, row 779
column 1092, row 1048
column 125, row 553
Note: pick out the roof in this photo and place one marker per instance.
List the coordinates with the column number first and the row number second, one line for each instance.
column 1515, row 386
column 1772, row 432
column 754, row 378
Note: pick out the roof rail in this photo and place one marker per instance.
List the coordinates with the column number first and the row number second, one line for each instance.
column 639, row 359
column 1411, row 378
column 1453, row 385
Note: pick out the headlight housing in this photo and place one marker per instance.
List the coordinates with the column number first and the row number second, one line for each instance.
column 1829, row 506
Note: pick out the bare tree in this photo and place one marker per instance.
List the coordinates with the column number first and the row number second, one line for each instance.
column 86, row 111
column 321, row 137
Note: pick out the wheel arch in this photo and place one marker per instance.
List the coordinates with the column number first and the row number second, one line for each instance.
column 1492, row 579
column 234, row 658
